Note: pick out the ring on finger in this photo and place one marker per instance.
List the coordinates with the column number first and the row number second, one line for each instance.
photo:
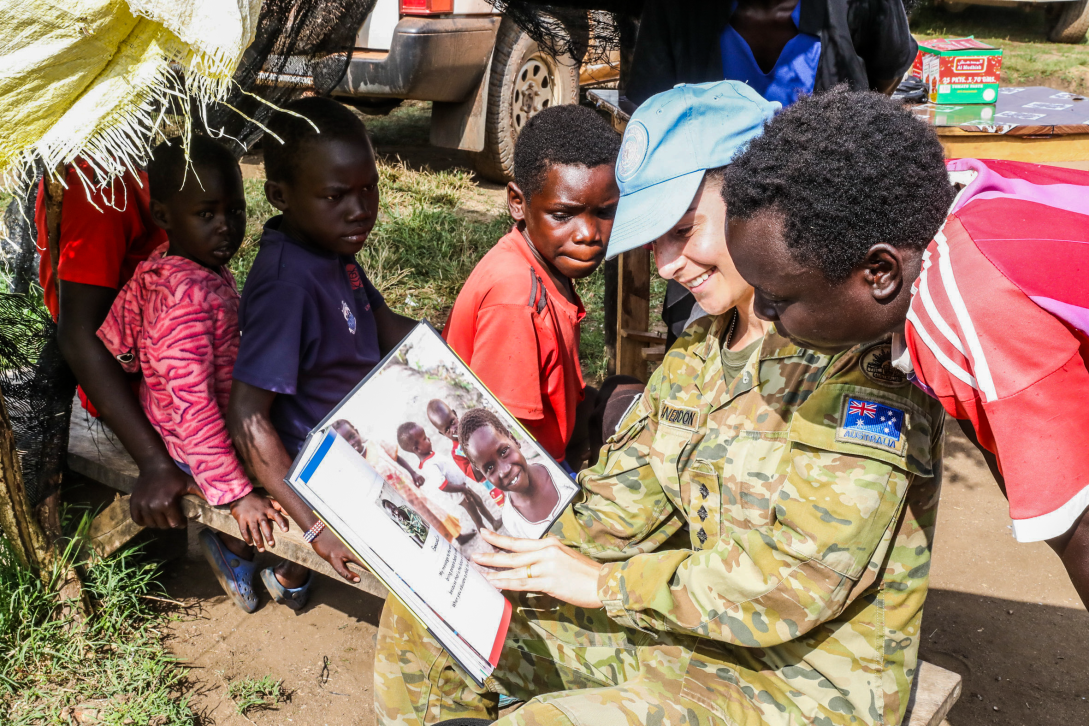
column 529, row 572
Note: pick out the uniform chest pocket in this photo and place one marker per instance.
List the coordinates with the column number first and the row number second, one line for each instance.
column 753, row 472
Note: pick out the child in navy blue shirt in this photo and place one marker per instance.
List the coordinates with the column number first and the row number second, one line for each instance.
column 312, row 323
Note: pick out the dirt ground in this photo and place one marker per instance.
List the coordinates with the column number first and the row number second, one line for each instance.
column 1001, row 614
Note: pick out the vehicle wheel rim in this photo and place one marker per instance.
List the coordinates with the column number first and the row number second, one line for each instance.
column 534, row 91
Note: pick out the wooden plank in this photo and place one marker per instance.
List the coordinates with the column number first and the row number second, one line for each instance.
column 94, row 452
column 1013, row 148
column 113, row 527
column 289, row 545
column 633, row 311
column 1041, row 131
column 654, row 352
column 933, row 694
column 643, row 336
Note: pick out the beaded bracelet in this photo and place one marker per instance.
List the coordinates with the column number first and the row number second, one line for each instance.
column 313, row 532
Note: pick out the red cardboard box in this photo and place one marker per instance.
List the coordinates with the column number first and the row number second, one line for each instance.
column 960, row 70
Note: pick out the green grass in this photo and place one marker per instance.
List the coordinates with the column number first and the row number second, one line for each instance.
column 252, row 694
column 407, row 125
column 1027, row 58
column 112, row 669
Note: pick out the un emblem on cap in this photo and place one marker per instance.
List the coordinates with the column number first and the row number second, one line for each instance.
column 633, row 151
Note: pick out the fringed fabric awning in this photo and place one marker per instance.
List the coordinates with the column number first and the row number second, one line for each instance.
column 95, row 78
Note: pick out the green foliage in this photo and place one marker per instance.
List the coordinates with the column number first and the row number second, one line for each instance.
column 407, row 125
column 424, row 245
column 113, row 664
column 1027, row 58
column 251, row 694
column 258, row 211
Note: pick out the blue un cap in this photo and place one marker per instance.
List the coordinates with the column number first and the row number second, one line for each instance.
column 669, row 142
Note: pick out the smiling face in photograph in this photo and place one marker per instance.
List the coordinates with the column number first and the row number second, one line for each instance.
column 350, row 434
column 443, row 418
column 498, row 458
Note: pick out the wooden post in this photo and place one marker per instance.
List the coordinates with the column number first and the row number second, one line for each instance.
column 16, row 517
column 633, row 311
column 611, row 285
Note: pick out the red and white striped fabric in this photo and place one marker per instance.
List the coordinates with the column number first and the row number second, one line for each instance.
column 997, row 331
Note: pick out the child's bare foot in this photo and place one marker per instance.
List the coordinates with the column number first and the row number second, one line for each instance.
column 289, row 584
column 236, row 546
column 291, row 575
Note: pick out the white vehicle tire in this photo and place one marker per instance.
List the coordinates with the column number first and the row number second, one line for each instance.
column 524, row 80
column 1072, row 22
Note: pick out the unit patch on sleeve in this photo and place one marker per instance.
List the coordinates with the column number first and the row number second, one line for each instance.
column 876, row 364
column 871, row 424
column 681, row 417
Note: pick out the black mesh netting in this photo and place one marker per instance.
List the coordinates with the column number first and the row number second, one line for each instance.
column 34, row 378
column 584, row 29
column 38, row 389
column 587, row 30
column 302, row 46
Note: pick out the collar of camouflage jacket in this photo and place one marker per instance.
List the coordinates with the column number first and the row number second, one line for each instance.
column 712, row 382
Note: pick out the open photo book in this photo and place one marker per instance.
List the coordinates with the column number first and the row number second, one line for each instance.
column 409, row 468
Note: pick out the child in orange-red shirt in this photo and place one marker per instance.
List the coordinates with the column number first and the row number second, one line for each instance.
column 516, row 320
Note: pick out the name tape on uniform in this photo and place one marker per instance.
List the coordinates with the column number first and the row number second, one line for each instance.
column 681, row 417
column 871, row 424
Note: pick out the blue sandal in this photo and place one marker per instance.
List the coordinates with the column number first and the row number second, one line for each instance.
column 235, row 574
column 294, row 597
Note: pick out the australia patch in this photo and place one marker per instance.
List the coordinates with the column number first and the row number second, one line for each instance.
column 876, row 364
column 682, row 417
column 871, row 424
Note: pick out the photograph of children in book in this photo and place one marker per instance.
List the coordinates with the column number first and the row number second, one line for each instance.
column 452, row 458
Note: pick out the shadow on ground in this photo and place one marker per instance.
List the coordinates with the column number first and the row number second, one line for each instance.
column 1019, row 661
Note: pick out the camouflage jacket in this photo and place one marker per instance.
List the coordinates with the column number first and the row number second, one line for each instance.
column 789, row 513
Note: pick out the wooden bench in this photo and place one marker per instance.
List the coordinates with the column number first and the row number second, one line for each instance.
column 97, row 455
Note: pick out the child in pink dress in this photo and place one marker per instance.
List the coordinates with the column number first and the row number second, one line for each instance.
column 176, row 323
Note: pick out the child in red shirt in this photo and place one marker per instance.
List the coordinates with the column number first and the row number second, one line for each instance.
column 516, row 320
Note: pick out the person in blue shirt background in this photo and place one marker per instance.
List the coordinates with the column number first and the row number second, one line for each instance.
column 780, row 48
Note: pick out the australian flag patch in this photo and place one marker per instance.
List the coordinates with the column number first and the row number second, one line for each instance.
column 871, row 424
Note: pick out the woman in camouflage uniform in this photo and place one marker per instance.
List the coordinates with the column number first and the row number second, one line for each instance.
column 752, row 547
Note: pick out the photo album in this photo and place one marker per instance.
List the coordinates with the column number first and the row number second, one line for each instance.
column 408, row 469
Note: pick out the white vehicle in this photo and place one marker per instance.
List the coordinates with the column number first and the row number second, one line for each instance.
column 484, row 76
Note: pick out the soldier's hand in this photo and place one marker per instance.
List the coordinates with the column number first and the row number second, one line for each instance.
column 541, row 565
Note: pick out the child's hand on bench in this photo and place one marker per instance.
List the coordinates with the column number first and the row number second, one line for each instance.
column 255, row 514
